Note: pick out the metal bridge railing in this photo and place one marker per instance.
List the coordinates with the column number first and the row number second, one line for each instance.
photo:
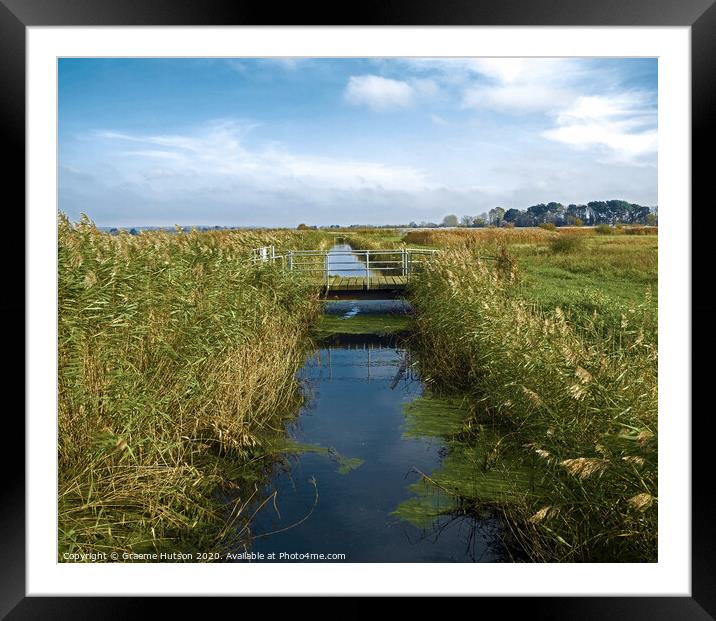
column 371, row 265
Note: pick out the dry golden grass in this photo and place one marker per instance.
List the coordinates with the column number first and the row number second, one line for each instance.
column 459, row 237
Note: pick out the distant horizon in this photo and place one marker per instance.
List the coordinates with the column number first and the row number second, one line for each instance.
column 304, row 221
column 251, row 142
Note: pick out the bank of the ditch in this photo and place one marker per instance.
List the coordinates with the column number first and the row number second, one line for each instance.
column 561, row 433
column 176, row 369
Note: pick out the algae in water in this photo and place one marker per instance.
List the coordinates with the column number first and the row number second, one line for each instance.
column 476, row 470
column 363, row 324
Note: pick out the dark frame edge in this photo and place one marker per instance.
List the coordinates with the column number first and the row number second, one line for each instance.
column 12, row 309
column 703, row 133
column 701, row 606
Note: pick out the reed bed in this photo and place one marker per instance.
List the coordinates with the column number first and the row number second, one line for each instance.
column 524, row 235
column 575, row 406
column 589, row 276
column 377, row 239
column 639, row 230
column 461, row 237
column 176, row 364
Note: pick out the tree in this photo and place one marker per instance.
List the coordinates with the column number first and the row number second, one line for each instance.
column 601, row 213
column 619, row 211
column 593, row 213
column 538, row 212
column 511, row 215
column 450, row 220
column 496, row 215
column 638, row 214
column 302, row 227
column 555, row 213
column 526, row 219
column 576, row 212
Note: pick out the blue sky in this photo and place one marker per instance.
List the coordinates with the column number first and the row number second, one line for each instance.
column 276, row 142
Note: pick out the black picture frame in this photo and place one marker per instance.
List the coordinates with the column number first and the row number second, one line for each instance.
column 700, row 15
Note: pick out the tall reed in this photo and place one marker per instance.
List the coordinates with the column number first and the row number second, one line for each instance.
column 459, row 237
column 176, row 363
column 578, row 408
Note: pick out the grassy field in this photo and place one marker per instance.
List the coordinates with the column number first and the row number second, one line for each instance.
column 580, row 270
column 176, row 368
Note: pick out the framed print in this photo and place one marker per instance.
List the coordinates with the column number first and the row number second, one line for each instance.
column 393, row 300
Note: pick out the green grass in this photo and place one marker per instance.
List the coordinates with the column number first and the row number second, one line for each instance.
column 578, row 271
column 606, row 278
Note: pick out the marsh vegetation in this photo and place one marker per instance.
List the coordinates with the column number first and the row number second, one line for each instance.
column 176, row 365
column 178, row 369
column 555, row 350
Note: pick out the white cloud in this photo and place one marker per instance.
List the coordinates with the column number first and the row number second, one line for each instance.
column 153, row 153
column 497, row 70
column 515, row 97
column 438, row 120
column 623, row 124
column 424, row 87
column 217, row 157
column 379, row 93
column 520, row 84
column 524, row 70
column 506, row 70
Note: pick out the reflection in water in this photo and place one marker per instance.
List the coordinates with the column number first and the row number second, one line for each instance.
column 358, row 393
column 343, row 262
column 350, row 308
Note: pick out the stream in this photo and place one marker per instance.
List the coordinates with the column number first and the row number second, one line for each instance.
column 340, row 494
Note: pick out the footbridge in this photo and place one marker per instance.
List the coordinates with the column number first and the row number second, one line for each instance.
column 343, row 271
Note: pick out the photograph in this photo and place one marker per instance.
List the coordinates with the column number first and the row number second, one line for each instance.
column 397, row 307
column 357, row 309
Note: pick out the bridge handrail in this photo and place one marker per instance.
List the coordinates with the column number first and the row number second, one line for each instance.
column 407, row 263
column 268, row 253
column 363, row 251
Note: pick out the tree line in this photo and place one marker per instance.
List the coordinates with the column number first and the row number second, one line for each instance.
column 593, row 213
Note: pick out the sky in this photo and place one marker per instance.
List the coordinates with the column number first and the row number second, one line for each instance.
column 278, row 142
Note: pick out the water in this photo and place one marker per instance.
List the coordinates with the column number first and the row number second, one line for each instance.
column 340, row 500
column 350, row 308
column 343, row 262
